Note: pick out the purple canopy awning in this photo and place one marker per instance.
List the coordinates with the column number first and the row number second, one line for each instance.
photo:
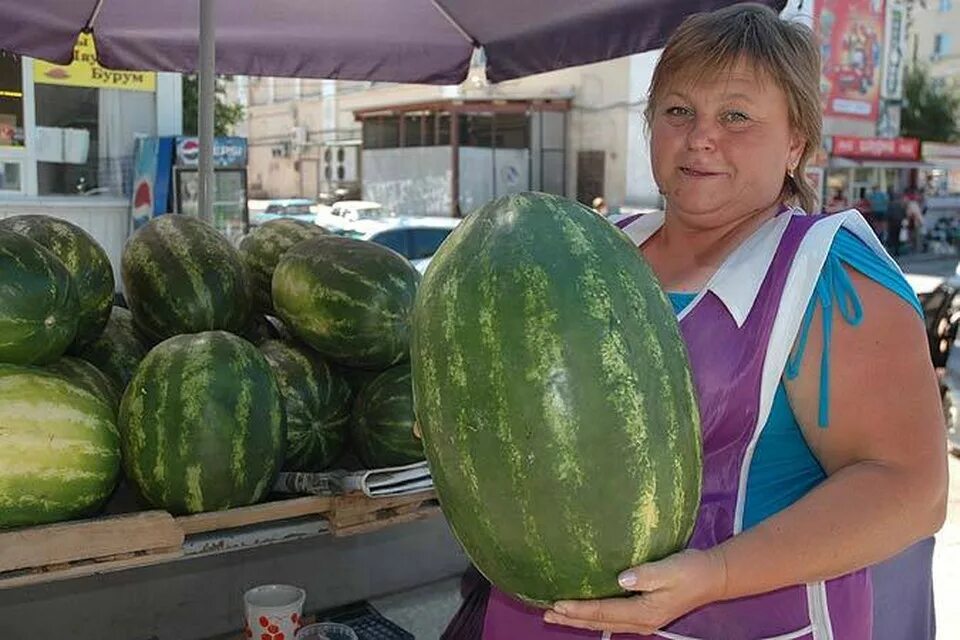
column 427, row 41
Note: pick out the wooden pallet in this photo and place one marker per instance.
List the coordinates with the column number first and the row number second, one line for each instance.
column 89, row 547
column 356, row 513
column 113, row 543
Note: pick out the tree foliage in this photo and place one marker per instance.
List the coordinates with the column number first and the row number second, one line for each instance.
column 226, row 115
column 930, row 109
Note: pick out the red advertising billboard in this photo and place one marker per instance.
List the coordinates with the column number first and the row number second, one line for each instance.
column 876, row 148
column 851, row 45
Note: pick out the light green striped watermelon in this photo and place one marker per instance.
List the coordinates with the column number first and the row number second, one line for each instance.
column 556, row 401
column 87, row 376
column 38, row 302
column 181, row 276
column 383, row 419
column 119, row 349
column 84, row 258
column 316, row 403
column 202, row 424
column 349, row 299
column 59, row 448
column 263, row 248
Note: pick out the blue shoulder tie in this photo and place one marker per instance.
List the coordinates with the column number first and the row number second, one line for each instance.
column 834, row 285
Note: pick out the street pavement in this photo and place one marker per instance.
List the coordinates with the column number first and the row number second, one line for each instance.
column 946, row 563
column 924, row 273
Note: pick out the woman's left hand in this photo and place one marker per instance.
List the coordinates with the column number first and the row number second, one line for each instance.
column 666, row 590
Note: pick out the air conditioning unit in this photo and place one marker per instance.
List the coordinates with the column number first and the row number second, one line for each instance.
column 341, row 163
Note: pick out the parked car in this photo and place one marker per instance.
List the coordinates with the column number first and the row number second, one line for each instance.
column 415, row 238
column 941, row 311
column 296, row 208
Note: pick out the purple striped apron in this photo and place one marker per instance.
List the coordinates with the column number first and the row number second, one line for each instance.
column 728, row 363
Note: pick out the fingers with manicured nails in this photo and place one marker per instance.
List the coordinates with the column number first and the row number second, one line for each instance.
column 553, row 618
column 647, row 577
column 669, row 588
column 635, row 612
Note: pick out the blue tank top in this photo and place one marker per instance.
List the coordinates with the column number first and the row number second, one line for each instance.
column 784, row 468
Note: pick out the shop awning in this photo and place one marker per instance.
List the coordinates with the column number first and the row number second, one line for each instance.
column 945, row 163
column 851, row 163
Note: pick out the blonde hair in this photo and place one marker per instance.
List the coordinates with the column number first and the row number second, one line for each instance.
column 707, row 44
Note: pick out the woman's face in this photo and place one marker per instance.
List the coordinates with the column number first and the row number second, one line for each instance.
column 721, row 147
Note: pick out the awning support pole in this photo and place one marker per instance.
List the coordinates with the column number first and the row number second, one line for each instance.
column 206, row 108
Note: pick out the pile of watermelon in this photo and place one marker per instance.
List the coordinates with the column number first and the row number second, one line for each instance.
column 223, row 367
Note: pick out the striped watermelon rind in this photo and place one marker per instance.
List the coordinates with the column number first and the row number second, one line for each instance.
column 202, row 424
column 38, row 302
column 316, row 403
column 350, row 300
column 180, row 276
column 262, row 249
column 84, row 258
column 382, row 429
column 555, row 399
column 59, row 448
column 119, row 349
column 86, row 376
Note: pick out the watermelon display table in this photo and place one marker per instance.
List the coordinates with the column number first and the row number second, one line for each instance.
column 150, row 575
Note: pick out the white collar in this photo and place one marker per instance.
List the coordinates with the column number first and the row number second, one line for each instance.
column 737, row 282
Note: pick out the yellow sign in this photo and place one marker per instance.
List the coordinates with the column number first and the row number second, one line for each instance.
column 84, row 71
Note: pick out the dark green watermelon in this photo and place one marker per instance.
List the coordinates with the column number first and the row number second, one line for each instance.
column 38, row 302
column 349, row 299
column 317, row 404
column 202, row 424
column 182, row 276
column 119, row 349
column 87, row 376
column 556, row 401
column 383, row 420
column 262, row 249
column 357, row 379
column 84, row 258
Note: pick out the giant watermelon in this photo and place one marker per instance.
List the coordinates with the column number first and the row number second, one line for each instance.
column 59, row 448
column 555, row 398
column 349, row 299
column 263, row 248
column 181, row 276
column 316, row 402
column 38, row 302
column 382, row 428
column 202, row 424
column 84, row 258
column 119, row 349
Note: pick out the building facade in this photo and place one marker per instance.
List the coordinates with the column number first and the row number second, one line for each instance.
column 935, row 38
column 67, row 138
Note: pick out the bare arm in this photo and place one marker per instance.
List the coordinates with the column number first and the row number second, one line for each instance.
column 883, row 451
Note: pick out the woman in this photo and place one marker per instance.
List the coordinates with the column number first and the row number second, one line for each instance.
column 823, row 439
column 915, row 225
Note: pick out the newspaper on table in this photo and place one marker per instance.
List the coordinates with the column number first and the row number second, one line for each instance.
column 375, row 483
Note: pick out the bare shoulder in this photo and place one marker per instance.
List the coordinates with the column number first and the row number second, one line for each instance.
column 883, row 394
